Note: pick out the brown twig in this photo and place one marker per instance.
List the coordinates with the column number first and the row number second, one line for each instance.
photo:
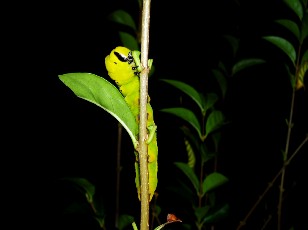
column 243, row 222
column 143, row 152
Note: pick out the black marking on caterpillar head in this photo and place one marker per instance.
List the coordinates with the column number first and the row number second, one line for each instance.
column 121, row 57
column 130, row 58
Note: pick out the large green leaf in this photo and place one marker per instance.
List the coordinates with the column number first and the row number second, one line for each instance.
column 102, row 93
column 189, row 90
column 129, row 41
column 243, row 64
column 296, row 6
column 284, row 45
column 214, row 121
column 213, row 181
column 122, row 17
column 188, row 171
column 291, row 26
column 186, row 115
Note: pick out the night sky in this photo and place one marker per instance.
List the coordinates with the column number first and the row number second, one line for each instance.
column 53, row 134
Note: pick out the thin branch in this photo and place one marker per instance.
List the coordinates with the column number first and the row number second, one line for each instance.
column 243, row 222
column 143, row 155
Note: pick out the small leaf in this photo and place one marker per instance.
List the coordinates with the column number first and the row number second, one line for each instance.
column 209, row 101
column 189, row 173
column 129, row 41
column 291, row 26
column 190, row 154
column 296, row 6
column 193, row 139
column 213, row 181
column 284, row 45
column 221, row 79
column 206, row 155
column 124, row 18
column 201, row 212
column 124, row 221
column 172, row 218
column 186, row 115
column 301, row 74
column 216, row 139
column 217, row 215
column 304, row 57
column 189, row 90
column 243, row 64
column 102, row 93
column 234, row 42
column 214, row 121
column 85, row 185
column 184, row 191
column 304, row 28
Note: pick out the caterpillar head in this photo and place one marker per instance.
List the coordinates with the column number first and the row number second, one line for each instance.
column 120, row 65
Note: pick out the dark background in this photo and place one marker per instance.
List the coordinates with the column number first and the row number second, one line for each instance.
column 53, row 134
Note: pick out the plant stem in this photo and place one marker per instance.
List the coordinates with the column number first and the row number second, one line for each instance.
column 243, row 222
column 143, row 151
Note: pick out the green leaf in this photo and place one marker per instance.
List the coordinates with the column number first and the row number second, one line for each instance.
column 85, row 186
column 234, row 42
column 124, row 18
column 206, row 155
column 301, row 75
column 291, row 26
column 216, row 139
column 191, row 158
column 185, row 192
column 304, row 57
column 243, row 64
column 284, row 45
column 221, row 79
column 214, row 121
column 102, row 93
column 129, row 41
column 304, row 28
column 217, row 215
column 186, row 115
column 194, row 139
column 213, row 181
column 124, row 221
column 201, row 212
column 209, row 101
column 189, row 90
column 188, row 171
column 296, row 6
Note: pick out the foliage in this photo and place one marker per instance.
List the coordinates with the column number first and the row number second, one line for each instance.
column 202, row 130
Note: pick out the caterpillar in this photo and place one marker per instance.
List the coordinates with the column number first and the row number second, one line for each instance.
column 121, row 67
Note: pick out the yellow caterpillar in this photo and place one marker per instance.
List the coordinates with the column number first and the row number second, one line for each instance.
column 122, row 68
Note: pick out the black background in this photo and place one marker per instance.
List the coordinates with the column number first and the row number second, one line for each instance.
column 53, row 134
